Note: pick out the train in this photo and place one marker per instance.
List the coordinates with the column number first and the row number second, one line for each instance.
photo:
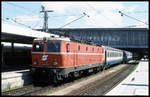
column 55, row 59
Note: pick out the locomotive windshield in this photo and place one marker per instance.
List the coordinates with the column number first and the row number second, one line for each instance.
column 53, row 47
column 37, row 47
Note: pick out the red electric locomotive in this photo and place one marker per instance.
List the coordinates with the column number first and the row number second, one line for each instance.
column 56, row 58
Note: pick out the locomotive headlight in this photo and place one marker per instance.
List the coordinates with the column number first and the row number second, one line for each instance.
column 35, row 62
column 55, row 62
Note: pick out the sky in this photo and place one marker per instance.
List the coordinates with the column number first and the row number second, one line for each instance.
column 98, row 14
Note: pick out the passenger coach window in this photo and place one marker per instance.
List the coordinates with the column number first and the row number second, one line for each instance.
column 53, row 47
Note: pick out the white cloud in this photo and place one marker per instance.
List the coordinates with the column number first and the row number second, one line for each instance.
column 106, row 5
column 130, row 9
column 58, row 7
column 105, row 15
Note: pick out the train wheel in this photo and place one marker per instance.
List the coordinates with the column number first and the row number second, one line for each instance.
column 101, row 68
column 104, row 68
column 76, row 74
column 56, row 81
column 36, row 82
column 96, row 70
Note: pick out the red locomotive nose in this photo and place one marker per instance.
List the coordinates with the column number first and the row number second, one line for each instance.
column 46, row 53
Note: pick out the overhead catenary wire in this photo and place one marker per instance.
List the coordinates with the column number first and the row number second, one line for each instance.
column 37, row 23
column 4, row 20
column 123, row 14
column 15, row 22
column 18, row 22
column 134, row 25
column 144, row 11
column 26, row 9
column 28, row 12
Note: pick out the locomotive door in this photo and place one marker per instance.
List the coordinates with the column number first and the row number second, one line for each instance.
column 73, row 53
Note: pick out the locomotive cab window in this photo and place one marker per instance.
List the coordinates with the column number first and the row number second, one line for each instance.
column 37, row 47
column 53, row 47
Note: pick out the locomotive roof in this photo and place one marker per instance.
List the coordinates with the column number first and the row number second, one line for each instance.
column 54, row 38
column 110, row 48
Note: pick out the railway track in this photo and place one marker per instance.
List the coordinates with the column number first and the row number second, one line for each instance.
column 102, row 86
column 21, row 91
column 121, row 75
column 44, row 90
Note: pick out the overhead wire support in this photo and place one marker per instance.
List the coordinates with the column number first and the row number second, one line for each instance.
column 84, row 14
column 122, row 14
column 45, row 26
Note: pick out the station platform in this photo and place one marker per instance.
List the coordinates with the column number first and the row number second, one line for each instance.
column 14, row 67
column 15, row 79
column 137, row 83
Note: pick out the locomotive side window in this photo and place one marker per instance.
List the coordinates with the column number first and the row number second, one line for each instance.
column 38, row 47
column 86, row 48
column 53, row 47
column 68, row 47
column 92, row 49
column 79, row 48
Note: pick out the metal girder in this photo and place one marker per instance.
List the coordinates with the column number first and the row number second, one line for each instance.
column 114, row 37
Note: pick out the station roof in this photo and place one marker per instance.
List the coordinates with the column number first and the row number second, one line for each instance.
column 11, row 33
